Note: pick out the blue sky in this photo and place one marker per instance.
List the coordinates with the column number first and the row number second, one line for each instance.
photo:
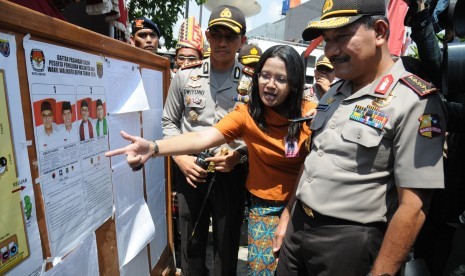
column 270, row 12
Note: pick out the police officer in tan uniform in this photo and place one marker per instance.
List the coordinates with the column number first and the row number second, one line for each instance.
column 200, row 95
column 376, row 154
column 249, row 55
column 324, row 77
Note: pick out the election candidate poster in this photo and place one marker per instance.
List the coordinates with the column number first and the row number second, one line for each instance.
column 68, row 99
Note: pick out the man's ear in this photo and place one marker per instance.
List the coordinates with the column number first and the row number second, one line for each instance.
column 381, row 29
column 133, row 43
column 243, row 40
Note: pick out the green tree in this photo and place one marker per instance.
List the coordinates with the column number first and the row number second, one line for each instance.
column 164, row 13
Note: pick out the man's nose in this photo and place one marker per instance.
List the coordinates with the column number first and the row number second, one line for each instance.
column 331, row 49
column 150, row 36
column 223, row 40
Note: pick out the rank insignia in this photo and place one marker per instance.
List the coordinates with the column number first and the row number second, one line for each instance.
column 195, row 78
column 244, row 87
column 383, row 102
column 322, row 107
column 418, row 85
column 430, row 126
column 237, row 73
column 248, row 71
column 330, row 100
column 192, row 64
column 369, row 115
column 193, row 116
column 193, row 84
column 384, row 85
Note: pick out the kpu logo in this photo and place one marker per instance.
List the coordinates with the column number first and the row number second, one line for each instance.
column 37, row 60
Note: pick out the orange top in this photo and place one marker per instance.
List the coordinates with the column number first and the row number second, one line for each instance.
column 272, row 175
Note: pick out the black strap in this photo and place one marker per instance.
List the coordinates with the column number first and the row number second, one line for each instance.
column 210, row 185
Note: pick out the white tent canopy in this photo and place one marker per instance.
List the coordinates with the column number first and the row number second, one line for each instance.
column 249, row 8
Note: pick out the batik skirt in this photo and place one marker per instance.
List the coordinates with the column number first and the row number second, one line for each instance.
column 263, row 220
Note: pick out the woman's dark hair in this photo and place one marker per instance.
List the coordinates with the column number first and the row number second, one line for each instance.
column 295, row 80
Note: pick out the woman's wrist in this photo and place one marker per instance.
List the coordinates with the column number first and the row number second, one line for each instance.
column 153, row 148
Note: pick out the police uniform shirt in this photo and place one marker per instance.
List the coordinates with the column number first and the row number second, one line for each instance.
column 366, row 144
column 193, row 102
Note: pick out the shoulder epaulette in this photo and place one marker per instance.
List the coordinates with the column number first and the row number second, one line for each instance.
column 248, row 70
column 419, row 85
column 192, row 64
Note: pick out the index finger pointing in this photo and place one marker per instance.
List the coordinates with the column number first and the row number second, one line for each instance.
column 116, row 152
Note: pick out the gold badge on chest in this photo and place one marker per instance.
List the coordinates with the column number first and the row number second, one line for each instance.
column 194, row 83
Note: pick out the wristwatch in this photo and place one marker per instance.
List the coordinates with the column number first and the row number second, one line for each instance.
column 244, row 158
column 154, row 148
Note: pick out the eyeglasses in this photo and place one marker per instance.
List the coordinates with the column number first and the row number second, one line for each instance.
column 183, row 58
column 264, row 77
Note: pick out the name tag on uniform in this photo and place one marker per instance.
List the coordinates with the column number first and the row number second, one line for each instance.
column 322, row 107
column 369, row 115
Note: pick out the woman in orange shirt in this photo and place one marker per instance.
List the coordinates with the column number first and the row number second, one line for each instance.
column 276, row 147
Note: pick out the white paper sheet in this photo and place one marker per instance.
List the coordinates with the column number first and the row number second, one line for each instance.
column 154, row 168
column 156, row 202
column 134, row 225
column 128, row 189
column 155, row 179
column 126, row 91
column 134, row 230
column 128, row 122
column 83, row 260
column 74, row 174
column 31, row 265
column 138, row 266
column 153, row 85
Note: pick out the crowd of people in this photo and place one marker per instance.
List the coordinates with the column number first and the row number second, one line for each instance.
column 341, row 175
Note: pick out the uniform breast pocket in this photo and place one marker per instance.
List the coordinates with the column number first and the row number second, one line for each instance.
column 359, row 148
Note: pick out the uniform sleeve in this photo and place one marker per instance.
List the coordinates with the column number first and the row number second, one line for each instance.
column 174, row 109
column 232, row 125
column 307, row 106
column 419, row 141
